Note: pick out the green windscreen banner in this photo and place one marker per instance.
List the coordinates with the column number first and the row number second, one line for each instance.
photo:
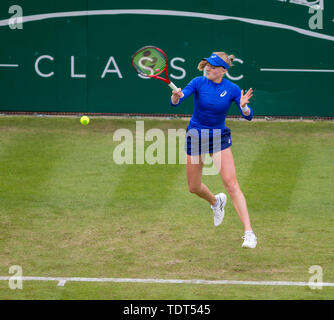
column 75, row 56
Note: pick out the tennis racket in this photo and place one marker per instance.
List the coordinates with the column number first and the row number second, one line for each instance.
column 151, row 62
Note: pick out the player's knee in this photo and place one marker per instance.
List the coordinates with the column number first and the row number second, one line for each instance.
column 193, row 188
column 231, row 186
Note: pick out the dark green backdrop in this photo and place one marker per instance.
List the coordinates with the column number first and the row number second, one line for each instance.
column 92, row 41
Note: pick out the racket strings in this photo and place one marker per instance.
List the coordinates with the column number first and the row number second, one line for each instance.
column 149, row 61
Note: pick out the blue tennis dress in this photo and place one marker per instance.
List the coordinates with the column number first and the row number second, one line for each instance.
column 206, row 132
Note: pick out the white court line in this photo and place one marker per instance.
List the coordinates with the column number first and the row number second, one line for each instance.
column 9, row 65
column 63, row 280
column 296, row 70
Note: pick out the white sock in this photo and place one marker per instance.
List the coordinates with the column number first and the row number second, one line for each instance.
column 249, row 231
column 217, row 203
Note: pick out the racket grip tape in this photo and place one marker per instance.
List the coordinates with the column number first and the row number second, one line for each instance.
column 172, row 86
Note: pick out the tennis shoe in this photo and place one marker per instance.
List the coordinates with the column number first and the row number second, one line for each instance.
column 250, row 240
column 218, row 210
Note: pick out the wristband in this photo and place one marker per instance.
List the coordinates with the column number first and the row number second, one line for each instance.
column 245, row 109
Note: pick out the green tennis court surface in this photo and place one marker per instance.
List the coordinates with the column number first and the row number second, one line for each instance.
column 67, row 210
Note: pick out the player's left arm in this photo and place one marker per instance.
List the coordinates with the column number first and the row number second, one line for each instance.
column 242, row 101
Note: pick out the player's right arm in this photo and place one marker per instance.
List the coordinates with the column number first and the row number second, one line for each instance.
column 179, row 95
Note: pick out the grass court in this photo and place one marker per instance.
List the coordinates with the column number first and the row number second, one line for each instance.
column 67, row 210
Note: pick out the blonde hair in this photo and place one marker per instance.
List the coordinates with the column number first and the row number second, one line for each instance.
column 227, row 58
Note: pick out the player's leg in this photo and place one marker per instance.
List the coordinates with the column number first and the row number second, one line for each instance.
column 194, row 174
column 225, row 162
column 194, row 168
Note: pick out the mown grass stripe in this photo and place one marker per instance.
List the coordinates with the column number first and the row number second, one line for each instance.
column 152, row 183
column 274, row 173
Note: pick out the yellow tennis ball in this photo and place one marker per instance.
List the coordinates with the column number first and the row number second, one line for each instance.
column 84, row 120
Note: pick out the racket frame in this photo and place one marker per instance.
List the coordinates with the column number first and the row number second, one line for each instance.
column 155, row 76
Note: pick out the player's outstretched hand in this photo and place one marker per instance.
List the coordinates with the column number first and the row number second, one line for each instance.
column 244, row 99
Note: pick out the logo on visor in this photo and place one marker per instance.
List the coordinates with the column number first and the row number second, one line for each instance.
column 223, row 93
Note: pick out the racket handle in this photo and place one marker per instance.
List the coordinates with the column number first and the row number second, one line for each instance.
column 172, row 86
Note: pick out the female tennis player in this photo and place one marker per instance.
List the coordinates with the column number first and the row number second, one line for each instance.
column 207, row 133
